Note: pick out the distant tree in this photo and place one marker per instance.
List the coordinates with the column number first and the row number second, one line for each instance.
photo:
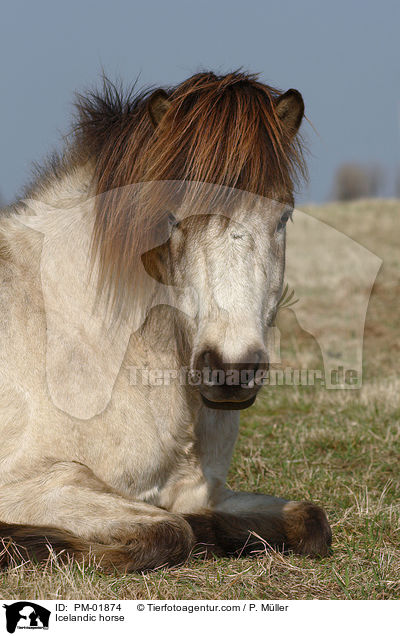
column 397, row 184
column 355, row 181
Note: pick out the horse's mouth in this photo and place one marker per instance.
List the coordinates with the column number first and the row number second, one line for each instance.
column 228, row 406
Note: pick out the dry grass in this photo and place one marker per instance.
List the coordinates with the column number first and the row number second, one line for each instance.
column 338, row 448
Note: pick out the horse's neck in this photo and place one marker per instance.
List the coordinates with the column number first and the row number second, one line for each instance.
column 55, row 204
column 158, row 336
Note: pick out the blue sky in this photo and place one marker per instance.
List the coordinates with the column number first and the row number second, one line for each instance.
column 343, row 56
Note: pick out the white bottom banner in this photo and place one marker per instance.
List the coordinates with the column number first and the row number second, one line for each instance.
column 130, row 617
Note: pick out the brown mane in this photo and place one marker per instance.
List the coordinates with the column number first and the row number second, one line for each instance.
column 219, row 129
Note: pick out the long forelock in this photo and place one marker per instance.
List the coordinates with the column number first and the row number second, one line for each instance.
column 221, row 130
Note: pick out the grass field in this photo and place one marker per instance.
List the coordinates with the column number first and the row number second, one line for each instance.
column 338, row 448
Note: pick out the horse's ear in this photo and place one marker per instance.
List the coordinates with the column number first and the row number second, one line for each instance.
column 158, row 106
column 290, row 110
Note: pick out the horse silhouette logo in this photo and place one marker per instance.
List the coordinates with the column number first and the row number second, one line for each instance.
column 26, row 615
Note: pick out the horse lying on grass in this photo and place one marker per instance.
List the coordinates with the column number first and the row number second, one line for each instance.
column 187, row 190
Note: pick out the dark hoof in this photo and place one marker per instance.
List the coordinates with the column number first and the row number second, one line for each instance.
column 307, row 528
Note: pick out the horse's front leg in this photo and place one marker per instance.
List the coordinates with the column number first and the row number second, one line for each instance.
column 68, row 508
column 234, row 518
column 243, row 522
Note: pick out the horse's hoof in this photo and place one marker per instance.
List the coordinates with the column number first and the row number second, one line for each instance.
column 307, row 528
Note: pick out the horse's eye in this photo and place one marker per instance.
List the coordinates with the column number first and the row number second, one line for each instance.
column 287, row 214
column 172, row 220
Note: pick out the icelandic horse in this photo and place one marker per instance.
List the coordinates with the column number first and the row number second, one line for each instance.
column 92, row 461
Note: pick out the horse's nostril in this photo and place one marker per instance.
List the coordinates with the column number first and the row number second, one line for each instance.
column 255, row 365
column 260, row 360
column 255, row 360
column 207, row 359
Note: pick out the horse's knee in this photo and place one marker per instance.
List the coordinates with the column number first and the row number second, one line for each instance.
column 74, row 473
column 307, row 528
column 150, row 545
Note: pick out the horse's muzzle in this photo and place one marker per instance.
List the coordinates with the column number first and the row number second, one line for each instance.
column 230, row 386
